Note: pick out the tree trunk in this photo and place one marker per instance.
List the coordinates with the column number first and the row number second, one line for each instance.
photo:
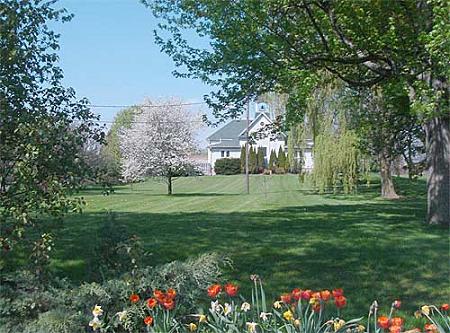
column 437, row 132
column 169, row 185
column 387, row 185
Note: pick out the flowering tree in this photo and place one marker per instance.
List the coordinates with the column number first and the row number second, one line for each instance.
column 159, row 142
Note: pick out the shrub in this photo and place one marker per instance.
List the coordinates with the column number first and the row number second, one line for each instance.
column 227, row 166
column 61, row 307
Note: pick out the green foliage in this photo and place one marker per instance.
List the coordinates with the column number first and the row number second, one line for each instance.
column 336, row 162
column 281, row 159
column 242, row 158
column 43, row 127
column 260, row 160
column 227, row 166
column 252, row 161
column 273, row 160
column 111, row 156
column 61, row 307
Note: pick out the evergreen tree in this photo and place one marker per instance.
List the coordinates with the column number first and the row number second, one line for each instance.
column 260, row 159
column 252, row 161
column 272, row 160
column 281, row 161
column 243, row 153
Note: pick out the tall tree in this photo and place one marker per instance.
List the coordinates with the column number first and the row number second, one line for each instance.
column 242, row 157
column 260, row 159
column 43, row 126
column 259, row 46
column 159, row 142
column 110, row 152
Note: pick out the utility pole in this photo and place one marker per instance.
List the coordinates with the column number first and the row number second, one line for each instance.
column 247, row 149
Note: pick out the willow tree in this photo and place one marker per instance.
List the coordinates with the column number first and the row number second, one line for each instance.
column 259, row 46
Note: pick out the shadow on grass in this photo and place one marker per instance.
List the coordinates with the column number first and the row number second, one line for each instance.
column 379, row 250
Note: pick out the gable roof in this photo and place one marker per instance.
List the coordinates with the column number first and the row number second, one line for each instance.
column 229, row 133
column 254, row 122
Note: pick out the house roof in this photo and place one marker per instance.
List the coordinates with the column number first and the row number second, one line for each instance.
column 228, row 135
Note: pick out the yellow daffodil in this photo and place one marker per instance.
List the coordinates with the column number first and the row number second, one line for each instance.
column 202, row 319
column 288, row 315
column 192, row 327
column 251, row 326
column 277, row 305
column 297, row 322
column 122, row 315
column 97, row 311
column 95, row 323
column 338, row 324
column 361, row 328
column 426, row 309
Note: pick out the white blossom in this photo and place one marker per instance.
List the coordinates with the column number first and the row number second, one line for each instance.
column 159, row 141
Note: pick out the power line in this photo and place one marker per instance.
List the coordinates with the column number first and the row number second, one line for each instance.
column 145, row 105
column 152, row 122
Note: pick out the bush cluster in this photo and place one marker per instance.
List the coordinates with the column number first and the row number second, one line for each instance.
column 227, row 166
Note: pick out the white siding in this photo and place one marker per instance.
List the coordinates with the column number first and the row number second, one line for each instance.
column 215, row 153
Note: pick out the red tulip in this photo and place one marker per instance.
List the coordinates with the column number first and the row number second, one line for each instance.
column 445, row 307
column 134, row 298
column 397, row 321
column 340, row 301
column 231, row 289
column 395, row 329
column 168, row 304
column 286, row 298
column 306, row 294
column 296, row 294
column 338, row 292
column 214, row 290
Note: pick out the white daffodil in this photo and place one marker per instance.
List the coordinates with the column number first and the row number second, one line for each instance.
column 265, row 315
column 228, row 308
column 215, row 306
column 122, row 315
column 95, row 323
column 245, row 307
column 277, row 305
column 251, row 326
column 97, row 311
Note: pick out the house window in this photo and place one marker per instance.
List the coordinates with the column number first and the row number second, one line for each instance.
column 222, row 153
column 228, row 153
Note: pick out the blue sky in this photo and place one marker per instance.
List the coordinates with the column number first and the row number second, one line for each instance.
column 108, row 55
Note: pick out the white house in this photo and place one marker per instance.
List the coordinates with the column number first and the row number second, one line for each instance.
column 228, row 140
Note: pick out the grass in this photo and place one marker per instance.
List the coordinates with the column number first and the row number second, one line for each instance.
column 373, row 248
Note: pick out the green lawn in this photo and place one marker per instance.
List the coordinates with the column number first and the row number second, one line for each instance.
column 373, row 248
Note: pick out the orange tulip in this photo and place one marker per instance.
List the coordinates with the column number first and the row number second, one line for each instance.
column 395, row 329
column 214, row 290
column 325, row 295
column 231, row 289
column 134, row 298
column 383, row 322
column 151, row 303
column 445, row 307
column 397, row 321
column 430, row 328
column 159, row 295
column 171, row 293
column 148, row 320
